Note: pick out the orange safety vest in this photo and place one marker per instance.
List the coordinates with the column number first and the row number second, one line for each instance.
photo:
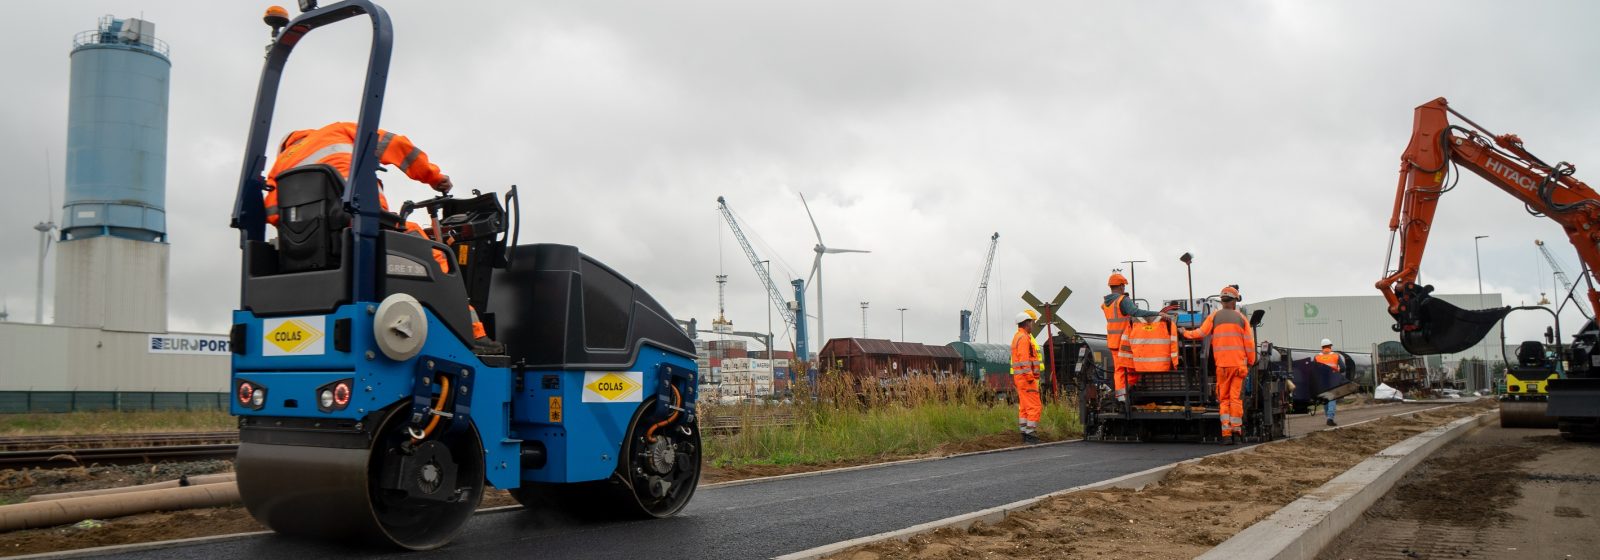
column 1153, row 346
column 1116, row 322
column 333, row 144
column 1330, row 359
column 1024, row 356
column 1233, row 342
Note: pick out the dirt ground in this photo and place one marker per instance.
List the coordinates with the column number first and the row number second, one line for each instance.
column 1198, row 506
column 1497, row 493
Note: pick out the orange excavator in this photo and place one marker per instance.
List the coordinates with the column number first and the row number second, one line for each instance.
column 1430, row 168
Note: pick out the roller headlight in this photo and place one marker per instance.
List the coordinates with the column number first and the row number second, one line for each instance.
column 334, row 396
column 258, row 398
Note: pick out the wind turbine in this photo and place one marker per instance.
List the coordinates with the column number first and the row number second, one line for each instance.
column 816, row 271
column 44, row 228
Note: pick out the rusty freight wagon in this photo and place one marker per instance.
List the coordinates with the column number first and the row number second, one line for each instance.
column 872, row 361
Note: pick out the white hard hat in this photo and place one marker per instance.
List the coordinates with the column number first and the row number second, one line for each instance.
column 1023, row 316
column 1326, row 342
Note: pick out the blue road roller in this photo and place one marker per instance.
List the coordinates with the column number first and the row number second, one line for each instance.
column 367, row 407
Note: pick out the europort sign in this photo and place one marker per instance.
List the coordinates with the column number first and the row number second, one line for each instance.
column 197, row 344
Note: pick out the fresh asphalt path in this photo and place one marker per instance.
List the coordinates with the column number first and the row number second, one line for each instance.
column 766, row 519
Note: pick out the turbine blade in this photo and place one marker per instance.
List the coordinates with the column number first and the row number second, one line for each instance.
column 817, row 262
column 831, row 250
column 813, row 219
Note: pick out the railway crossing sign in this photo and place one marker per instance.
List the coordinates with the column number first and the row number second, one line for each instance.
column 1050, row 310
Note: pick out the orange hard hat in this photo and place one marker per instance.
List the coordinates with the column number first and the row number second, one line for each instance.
column 1116, row 279
column 1230, row 292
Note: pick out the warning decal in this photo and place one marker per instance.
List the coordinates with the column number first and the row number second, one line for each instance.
column 555, row 410
column 292, row 336
column 613, row 386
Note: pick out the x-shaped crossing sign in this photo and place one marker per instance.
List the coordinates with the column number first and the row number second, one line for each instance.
column 1050, row 311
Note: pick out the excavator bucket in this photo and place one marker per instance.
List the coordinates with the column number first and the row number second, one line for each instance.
column 1443, row 328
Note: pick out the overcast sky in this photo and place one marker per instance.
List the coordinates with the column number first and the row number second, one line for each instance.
column 1261, row 136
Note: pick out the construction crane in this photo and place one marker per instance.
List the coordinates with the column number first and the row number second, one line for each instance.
column 1561, row 276
column 792, row 313
column 972, row 319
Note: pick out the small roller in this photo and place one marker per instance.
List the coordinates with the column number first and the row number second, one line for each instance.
column 1526, row 414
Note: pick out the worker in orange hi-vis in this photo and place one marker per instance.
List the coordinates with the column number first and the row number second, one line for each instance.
column 1025, row 369
column 332, row 145
column 1119, row 309
column 1331, row 359
column 1233, row 348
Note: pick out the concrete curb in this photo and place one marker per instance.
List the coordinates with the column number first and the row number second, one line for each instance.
column 1305, row 526
column 996, row 514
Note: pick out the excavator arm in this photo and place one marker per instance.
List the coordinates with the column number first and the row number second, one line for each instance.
column 1438, row 149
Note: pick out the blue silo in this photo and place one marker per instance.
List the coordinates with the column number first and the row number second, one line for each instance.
column 117, row 133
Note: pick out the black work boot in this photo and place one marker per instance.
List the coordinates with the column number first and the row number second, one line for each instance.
column 1227, row 440
column 1238, row 439
column 1030, row 439
column 1332, row 423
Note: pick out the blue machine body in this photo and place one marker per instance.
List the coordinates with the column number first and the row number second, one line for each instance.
column 582, row 439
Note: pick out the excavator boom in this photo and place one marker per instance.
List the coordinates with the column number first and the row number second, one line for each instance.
column 1438, row 149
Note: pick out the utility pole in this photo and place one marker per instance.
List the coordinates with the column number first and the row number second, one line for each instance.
column 902, row 324
column 1478, row 261
column 1133, row 281
column 770, row 356
column 863, row 319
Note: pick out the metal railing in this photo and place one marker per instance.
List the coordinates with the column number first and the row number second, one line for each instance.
column 104, row 37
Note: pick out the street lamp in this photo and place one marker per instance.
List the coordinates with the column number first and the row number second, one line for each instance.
column 902, row 324
column 1188, row 262
column 1478, row 261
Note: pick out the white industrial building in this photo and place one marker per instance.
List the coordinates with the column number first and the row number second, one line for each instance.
column 109, row 348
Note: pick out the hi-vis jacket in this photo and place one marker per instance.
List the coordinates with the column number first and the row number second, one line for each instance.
column 1024, row 355
column 1233, row 342
column 1153, row 346
column 333, row 144
column 1330, row 359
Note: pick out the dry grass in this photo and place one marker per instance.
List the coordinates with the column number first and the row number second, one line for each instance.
column 112, row 422
column 849, row 422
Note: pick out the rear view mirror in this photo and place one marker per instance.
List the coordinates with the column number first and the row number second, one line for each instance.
column 1255, row 317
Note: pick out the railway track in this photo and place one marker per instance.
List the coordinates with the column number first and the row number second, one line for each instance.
column 88, row 441
column 58, row 458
